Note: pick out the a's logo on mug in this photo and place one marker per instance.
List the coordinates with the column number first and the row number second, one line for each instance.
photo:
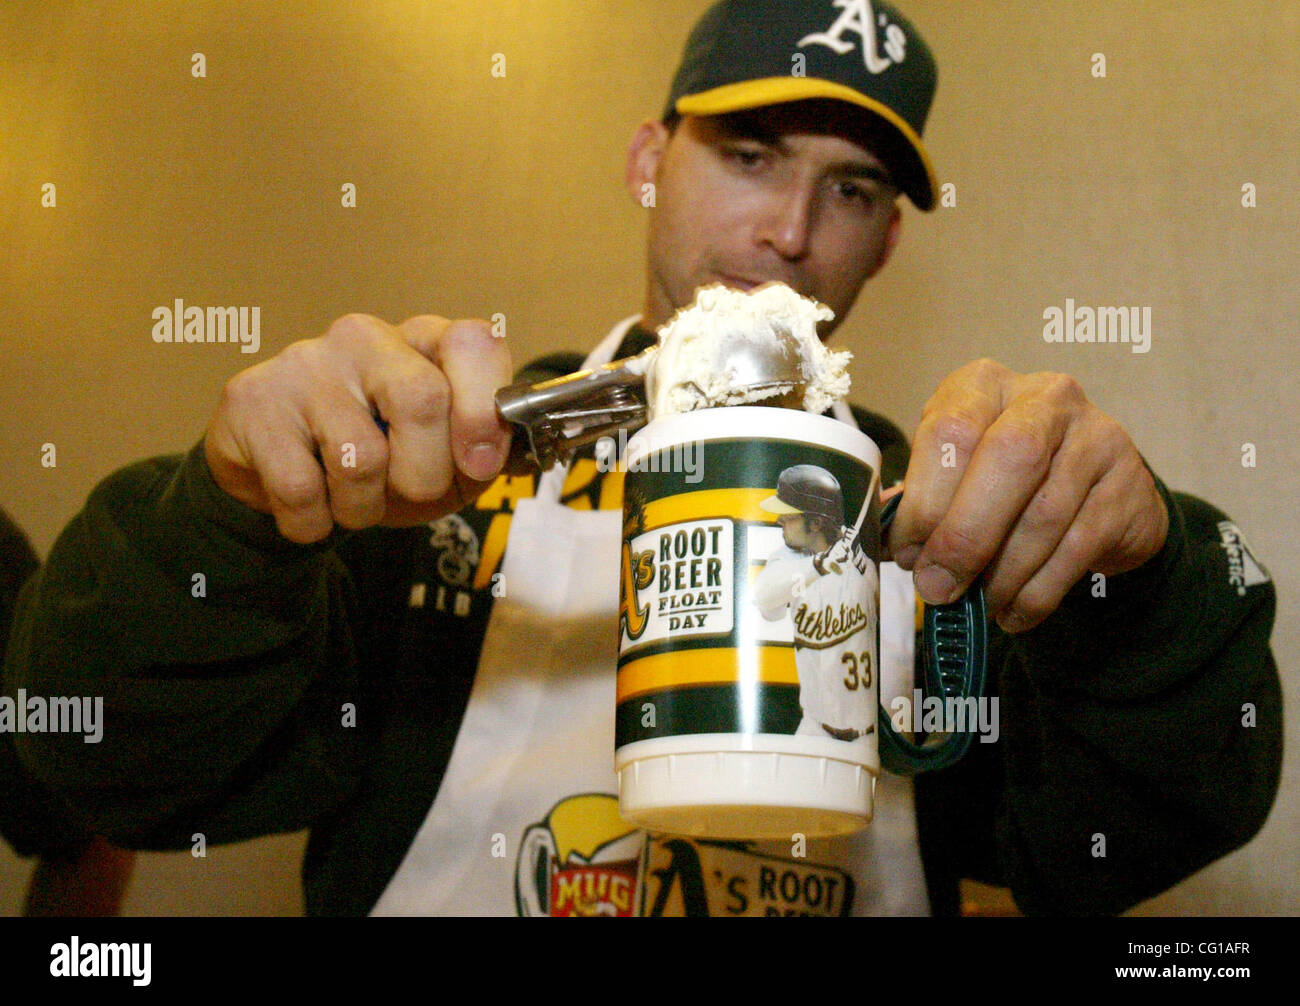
column 638, row 573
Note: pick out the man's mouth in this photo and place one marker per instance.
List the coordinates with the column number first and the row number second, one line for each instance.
column 738, row 282
column 748, row 283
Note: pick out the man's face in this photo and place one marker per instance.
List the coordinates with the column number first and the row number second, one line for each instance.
column 788, row 192
column 798, row 532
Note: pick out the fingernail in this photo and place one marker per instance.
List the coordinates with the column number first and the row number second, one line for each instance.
column 482, row 461
column 1011, row 621
column 906, row 556
column 936, row 585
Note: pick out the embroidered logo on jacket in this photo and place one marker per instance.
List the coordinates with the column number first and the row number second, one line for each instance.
column 458, row 549
column 1244, row 570
column 457, row 554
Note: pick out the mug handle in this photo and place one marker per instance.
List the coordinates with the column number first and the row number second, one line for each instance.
column 955, row 640
column 532, row 878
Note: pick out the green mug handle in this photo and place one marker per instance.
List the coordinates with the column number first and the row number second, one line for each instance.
column 955, row 641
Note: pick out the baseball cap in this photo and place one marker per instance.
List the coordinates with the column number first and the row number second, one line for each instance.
column 746, row 54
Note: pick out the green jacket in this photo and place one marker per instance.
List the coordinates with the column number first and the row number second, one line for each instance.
column 225, row 655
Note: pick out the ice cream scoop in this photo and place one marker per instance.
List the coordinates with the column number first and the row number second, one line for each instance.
column 736, row 347
column 728, row 348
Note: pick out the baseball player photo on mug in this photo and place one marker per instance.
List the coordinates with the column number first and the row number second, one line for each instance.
column 821, row 588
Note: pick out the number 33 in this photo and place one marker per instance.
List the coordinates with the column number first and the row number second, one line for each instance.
column 859, row 670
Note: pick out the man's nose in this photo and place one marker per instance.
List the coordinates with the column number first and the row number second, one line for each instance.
column 787, row 221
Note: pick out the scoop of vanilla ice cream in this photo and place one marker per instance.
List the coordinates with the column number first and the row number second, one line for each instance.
column 691, row 371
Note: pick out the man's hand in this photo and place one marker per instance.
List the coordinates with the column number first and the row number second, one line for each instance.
column 835, row 556
column 297, row 436
column 1039, row 488
column 840, row 553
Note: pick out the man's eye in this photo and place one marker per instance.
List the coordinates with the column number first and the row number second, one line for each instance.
column 865, row 193
column 745, row 157
column 853, row 191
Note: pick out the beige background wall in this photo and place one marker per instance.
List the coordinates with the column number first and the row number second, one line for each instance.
column 478, row 194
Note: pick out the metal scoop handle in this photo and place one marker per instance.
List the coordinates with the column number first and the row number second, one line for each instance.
column 556, row 418
column 560, row 416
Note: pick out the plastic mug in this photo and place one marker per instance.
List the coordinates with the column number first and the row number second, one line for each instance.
column 748, row 671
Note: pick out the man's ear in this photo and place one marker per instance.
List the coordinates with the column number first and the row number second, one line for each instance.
column 648, row 144
column 892, row 233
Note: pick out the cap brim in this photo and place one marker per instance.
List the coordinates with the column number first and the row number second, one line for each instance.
column 778, row 90
column 776, row 505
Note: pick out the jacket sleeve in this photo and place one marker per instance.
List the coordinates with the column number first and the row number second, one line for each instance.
column 1140, row 734
column 221, row 652
column 30, row 820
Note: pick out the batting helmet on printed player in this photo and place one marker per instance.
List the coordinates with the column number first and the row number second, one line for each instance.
column 809, row 490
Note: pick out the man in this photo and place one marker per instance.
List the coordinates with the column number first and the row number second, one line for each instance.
column 266, row 670
column 819, row 567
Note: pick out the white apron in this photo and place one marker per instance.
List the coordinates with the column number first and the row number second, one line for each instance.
column 526, row 819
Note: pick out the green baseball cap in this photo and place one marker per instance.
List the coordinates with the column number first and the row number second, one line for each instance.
column 750, row 53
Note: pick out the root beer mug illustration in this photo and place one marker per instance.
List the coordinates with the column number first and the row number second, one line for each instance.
column 583, row 860
column 748, row 672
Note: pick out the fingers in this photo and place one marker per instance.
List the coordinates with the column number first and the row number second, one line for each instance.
column 838, row 554
column 1002, row 471
column 1005, row 474
column 476, row 363
column 1106, row 515
column 354, row 453
column 297, row 436
column 1037, row 532
column 309, row 437
column 974, row 464
column 966, row 404
column 260, row 450
column 413, row 397
column 433, row 382
column 289, row 483
column 1097, row 461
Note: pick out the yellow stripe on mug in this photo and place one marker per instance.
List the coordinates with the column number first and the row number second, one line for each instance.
column 718, row 665
column 734, row 504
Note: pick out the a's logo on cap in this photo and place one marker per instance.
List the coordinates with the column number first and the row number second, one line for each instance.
column 859, row 16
